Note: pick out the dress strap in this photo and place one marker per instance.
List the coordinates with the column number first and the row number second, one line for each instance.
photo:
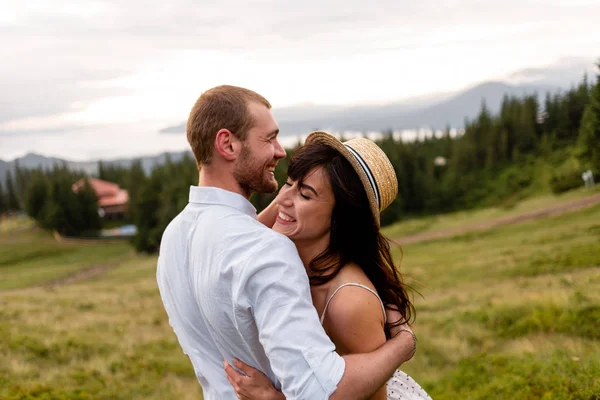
column 353, row 284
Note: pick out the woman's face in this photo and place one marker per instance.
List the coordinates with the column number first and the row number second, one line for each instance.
column 305, row 209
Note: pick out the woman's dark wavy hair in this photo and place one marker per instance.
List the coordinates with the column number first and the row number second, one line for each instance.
column 355, row 236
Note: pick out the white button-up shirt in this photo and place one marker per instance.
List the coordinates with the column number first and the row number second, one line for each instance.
column 235, row 288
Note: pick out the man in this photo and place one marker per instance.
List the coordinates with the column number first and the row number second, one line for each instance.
column 233, row 287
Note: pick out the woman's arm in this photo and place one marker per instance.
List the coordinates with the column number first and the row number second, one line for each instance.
column 355, row 323
column 268, row 215
column 254, row 385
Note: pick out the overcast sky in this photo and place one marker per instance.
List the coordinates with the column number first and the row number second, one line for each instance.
column 88, row 79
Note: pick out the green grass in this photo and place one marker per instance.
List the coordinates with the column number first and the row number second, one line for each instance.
column 505, row 312
column 553, row 376
column 32, row 257
column 578, row 317
column 103, row 339
column 458, row 219
column 510, row 313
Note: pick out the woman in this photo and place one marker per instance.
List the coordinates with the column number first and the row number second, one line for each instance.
column 329, row 207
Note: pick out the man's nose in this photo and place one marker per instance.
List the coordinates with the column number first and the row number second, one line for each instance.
column 279, row 151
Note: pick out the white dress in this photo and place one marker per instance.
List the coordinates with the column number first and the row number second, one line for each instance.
column 400, row 386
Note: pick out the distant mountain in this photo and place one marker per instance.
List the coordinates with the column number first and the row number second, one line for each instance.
column 32, row 160
column 435, row 112
column 174, row 129
column 467, row 105
column 301, row 113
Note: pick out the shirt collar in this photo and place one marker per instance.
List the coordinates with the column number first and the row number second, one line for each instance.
column 214, row 195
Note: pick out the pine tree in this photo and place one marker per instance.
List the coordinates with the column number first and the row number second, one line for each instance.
column 3, row 205
column 589, row 131
column 101, row 171
column 89, row 208
column 146, row 219
column 20, row 179
column 12, row 202
column 36, row 197
column 54, row 217
column 527, row 126
column 136, row 180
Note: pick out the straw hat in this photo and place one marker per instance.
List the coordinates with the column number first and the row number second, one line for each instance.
column 370, row 163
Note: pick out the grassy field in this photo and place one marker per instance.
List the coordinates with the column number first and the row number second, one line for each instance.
column 30, row 257
column 512, row 313
column 101, row 338
column 458, row 219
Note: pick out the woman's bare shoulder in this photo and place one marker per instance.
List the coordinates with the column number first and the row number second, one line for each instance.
column 354, row 320
column 353, row 303
column 353, row 273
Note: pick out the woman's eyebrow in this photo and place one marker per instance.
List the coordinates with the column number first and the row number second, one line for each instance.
column 304, row 185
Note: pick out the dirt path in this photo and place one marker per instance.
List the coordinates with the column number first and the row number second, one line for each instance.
column 559, row 209
column 80, row 275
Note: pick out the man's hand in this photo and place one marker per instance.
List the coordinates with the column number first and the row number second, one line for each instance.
column 394, row 316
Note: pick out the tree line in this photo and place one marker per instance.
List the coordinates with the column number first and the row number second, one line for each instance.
column 526, row 148
column 48, row 197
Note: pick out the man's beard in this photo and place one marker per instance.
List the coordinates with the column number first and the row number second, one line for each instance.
column 249, row 172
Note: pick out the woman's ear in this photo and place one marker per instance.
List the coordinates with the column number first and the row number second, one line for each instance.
column 227, row 145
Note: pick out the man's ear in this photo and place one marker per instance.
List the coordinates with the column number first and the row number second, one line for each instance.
column 227, row 145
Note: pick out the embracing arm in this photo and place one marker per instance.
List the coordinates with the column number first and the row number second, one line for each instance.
column 366, row 373
column 268, row 215
column 254, row 385
column 301, row 355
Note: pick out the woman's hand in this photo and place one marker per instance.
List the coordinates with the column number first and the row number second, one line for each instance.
column 268, row 216
column 252, row 386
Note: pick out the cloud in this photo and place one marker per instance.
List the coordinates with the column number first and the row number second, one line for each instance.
column 348, row 25
column 67, row 58
column 44, row 76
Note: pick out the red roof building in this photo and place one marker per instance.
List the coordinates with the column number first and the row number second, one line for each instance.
column 113, row 202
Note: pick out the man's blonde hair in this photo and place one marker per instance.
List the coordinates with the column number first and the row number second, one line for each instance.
column 222, row 107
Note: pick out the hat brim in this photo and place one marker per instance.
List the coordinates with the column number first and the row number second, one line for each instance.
column 331, row 141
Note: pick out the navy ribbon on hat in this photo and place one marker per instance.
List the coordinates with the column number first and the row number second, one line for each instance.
column 368, row 172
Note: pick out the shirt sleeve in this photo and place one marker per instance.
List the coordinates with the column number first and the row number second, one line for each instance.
column 301, row 354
